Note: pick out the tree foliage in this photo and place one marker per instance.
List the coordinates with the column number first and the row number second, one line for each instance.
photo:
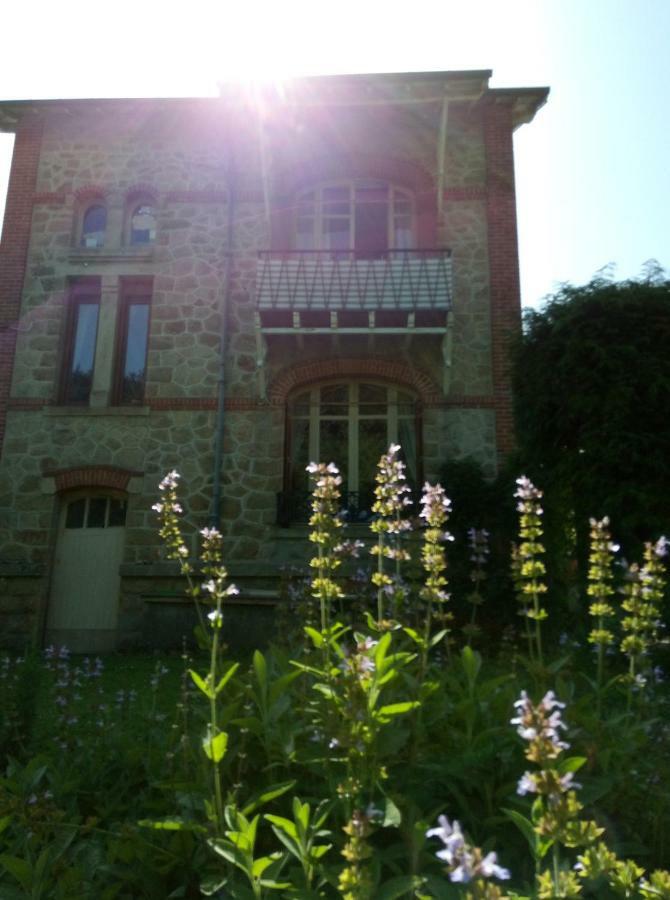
column 592, row 401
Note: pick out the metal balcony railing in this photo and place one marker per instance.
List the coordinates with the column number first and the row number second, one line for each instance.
column 343, row 280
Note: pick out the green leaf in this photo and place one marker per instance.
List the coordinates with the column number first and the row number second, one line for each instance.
column 202, row 684
column 385, row 713
column 271, row 793
column 226, row 678
column 392, row 815
column 398, row 887
column 571, row 764
column 285, row 825
column 525, row 827
column 436, row 638
column 472, row 663
column 19, row 868
column 215, row 747
column 316, row 636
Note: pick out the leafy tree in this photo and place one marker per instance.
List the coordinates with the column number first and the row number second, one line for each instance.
column 592, row 402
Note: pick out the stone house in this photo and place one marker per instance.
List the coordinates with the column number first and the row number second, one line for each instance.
column 231, row 287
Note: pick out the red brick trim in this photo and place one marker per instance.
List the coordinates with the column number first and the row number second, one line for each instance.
column 54, row 197
column 503, row 262
column 90, row 192
column 26, row 404
column 14, row 246
column 377, row 369
column 92, row 476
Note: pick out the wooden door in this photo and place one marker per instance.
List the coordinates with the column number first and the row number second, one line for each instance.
column 83, row 606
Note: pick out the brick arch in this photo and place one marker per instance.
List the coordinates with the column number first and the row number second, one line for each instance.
column 110, row 477
column 91, row 192
column 372, row 369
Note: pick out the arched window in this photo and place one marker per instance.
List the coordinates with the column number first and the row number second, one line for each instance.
column 93, row 226
column 142, row 224
column 350, row 424
column 368, row 217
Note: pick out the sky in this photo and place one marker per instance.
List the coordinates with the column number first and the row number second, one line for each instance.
column 592, row 169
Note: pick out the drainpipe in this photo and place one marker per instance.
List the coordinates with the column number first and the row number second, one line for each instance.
column 215, row 517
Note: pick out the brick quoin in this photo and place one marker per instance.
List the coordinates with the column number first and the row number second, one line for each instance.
column 381, row 369
column 503, row 262
column 14, row 248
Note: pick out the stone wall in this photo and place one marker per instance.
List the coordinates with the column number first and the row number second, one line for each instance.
column 179, row 157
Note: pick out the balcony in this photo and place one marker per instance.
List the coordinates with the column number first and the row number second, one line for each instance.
column 356, row 290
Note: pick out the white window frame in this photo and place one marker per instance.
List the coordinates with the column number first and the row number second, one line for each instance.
column 319, row 214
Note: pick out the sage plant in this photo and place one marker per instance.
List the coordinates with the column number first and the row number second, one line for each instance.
column 643, row 594
column 467, row 864
column 326, row 525
column 435, row 510
column 478, row 542
column 600, row 588
column 531, row 568
column 391, row 501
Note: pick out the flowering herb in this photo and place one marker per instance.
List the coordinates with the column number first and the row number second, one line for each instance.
column 467, row 864
column 391, row 501
column 326, row 525
column 600, row 587
column 530, row 569
column 478, row 543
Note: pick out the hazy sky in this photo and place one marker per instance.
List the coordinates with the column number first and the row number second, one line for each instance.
column 593, row 182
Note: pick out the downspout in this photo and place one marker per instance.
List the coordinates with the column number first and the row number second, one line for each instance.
column 215, row 517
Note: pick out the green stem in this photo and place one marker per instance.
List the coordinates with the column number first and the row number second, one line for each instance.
column 213, row 718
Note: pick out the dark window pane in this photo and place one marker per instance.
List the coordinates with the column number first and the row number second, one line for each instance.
column 74, row 517
column 299, row 454
column 143, row 225
column 97, row 507
column 80, row 374
column 333, row 445
column 117, row 513
column 135, row 357
column 93, row 227
column 336, row 195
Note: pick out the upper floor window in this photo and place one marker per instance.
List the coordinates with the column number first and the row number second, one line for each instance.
column 132, row 339
column 80, row 340
column 367, row 217
column 142, row 224
column 93, row 226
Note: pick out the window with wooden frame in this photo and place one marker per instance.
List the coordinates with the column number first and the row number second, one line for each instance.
column 140, row 228
column 132, row 336
column 93, row 226
column 81, row 333
column 351, row 424
column 367, row 216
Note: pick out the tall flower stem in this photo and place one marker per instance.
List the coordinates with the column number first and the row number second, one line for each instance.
column 600, row 589
column 531, row 567
column 435, row 509
column 390, row 503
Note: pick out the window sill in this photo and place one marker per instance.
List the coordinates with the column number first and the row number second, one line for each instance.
column 111, row 254
column 118, row 411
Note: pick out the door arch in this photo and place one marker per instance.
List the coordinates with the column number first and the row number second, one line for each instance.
column 84, row 598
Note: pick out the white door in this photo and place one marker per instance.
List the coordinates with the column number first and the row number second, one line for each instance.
column 83, row 607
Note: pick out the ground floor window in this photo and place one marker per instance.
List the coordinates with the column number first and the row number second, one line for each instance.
column 350, row 424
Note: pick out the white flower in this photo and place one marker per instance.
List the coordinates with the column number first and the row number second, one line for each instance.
column 215, row 617
column 526, row 785
column 489, row 867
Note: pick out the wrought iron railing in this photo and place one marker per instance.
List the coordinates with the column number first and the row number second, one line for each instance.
column 293, row 507
column 345, row 280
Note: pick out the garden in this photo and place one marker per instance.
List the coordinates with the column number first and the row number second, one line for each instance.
column 399, row 741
